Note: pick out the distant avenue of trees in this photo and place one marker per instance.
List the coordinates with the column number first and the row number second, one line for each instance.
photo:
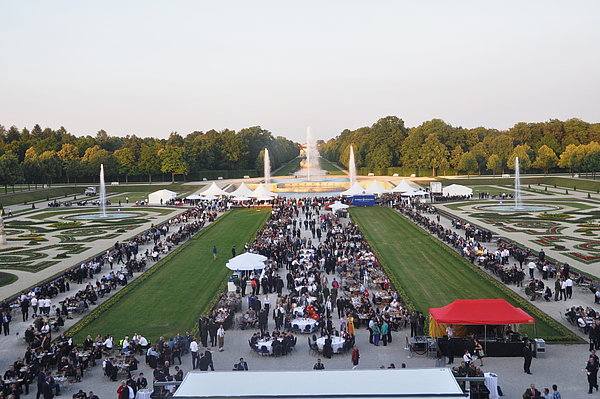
column 47, row 156
column 436, row 148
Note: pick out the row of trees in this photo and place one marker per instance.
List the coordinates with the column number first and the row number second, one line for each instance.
column 442, row 148
column 46, row 155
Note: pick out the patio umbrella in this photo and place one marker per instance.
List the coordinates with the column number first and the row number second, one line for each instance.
column 247, row 261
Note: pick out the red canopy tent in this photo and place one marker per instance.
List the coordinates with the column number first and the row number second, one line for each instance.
column 476, row 312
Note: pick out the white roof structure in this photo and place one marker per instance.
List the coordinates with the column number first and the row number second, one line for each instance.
column 164, row 195
column 403, row 187
column 261, row 191
column 356, row 189
column 193, row 197
column 242, row 191
column 339, row 384
column 238, row 199
column 420, row 193
column 247, row 261
column 376, row 188
column 456, row 189
column 336, row 206
column 214, row 190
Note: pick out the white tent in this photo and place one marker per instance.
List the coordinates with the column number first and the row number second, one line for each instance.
column 242, row 191
column 336, row 206
column 403, row 187
column 208, row 197
column 356, row 189
column 456, row 189
column 264, row 198
column 420, row 193
column 161, row 196
column 238, row 199
column 193, row 197
column 357, row 384
column 214, row 190
column 247, row 261
column 376, row 188
column 261, row 191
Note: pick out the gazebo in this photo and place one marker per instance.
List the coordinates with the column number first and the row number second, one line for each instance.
column 213, row 191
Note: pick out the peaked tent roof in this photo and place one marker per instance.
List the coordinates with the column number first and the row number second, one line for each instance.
column 356, row 189
column 403, row 187
column 457, row 189
column 242, row 191
column 480, row 312
column 214, row 190
column 376, row 188
column 261, row 191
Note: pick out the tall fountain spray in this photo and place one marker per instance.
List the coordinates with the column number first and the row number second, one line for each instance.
column 352, row 167
column 308, row 152
column 267, row 166
column 102, row 192
column 517, row 184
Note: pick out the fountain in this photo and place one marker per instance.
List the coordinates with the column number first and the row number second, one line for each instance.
column 517, row 184
column 267, row 167
column 102, row 192
column 103, row 215
column 518, row 206
column 352, row 167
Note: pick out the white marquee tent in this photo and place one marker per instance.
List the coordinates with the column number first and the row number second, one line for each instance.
column 403, row 187
column 242, row 191
column 341, row 384
column 456, row 189
column 164, row 195
column 337, row 206
column 376, row 188
column 261, row 191
column 214, row 190
column 356, row 189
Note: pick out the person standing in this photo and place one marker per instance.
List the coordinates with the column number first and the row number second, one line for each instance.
column 355, row 357
column 385, row 331
column 557, row 289
column 25, row 308
column 221, row 337
column 376, row 334
column 569, row 287
column 555, row 393
column 527, row 357
column 6, row 323
column 214, row 250
column 194, row 350
column 592, row 373
column 233, row 251
column 241, row 366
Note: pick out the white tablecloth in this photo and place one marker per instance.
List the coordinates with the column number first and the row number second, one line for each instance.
column 491, row 383
column 143, row 394
column 299, row 310
column 268, row 344
column 336, row 343
column 302, row 322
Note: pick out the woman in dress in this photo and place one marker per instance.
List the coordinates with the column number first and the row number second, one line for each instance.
column 479, row 354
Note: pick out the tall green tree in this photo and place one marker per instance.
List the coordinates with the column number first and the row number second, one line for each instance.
column 468, row 163
column 521, row 151
column 149, row 163
column 127, row 162
column 434, row 154
column 10, row 170
column 545, row 159
column 494, row 163
column 173, row 162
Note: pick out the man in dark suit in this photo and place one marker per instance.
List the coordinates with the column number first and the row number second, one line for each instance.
column 241, row 366
column 203, row 363
column 527, row 356
column 532, row 393
column 142, row 382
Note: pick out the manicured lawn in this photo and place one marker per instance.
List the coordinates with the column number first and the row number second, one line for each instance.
column 185, row 284
column 39, row 195
column 560, row 182
column 429, row 274
column 7, row 278
column 288, row 168
column 330, row 167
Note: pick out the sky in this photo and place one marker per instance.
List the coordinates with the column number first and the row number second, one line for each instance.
column 152, row 67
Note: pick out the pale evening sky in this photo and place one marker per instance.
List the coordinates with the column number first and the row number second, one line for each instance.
column 152, row 67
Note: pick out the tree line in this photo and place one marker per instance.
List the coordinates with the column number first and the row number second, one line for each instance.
column 439, row 148
column 47, row 155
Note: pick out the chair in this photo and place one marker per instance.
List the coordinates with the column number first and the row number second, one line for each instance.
column 308, row 329
column 264, row 351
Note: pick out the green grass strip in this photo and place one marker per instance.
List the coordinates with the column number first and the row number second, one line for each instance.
column 427, row 273
column 168, row 298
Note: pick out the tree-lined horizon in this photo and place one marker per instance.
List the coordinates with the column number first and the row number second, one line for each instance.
column 47, row 155
column 437, row 147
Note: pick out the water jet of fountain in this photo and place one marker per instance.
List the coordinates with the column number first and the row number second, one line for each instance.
column 267, row 167
column 102, row 192
column 517, row 184
column 352, row 167
column 308, row 151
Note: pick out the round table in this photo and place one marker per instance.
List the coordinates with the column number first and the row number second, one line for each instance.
column 143, row 394
column 299, row 310
column 302, row 322
column 336, row 343
column 267, row 343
